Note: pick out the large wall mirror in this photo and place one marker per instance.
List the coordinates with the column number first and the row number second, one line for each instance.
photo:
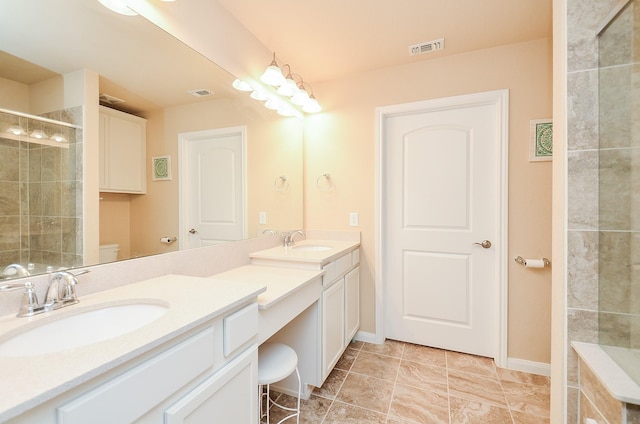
column 47, row 49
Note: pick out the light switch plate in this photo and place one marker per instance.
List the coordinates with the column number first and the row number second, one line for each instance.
column 262, row 218
column 353, row 219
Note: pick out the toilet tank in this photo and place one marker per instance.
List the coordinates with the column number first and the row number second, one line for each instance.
column 109, row 253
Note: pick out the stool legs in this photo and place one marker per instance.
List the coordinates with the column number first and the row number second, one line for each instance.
column 270, row 402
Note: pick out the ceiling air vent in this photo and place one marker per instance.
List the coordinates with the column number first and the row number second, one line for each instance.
column 426, row 47
column 202, row 92
column 109, row 100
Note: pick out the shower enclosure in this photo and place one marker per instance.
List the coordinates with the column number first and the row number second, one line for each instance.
column 619, row 187
column 40, row 191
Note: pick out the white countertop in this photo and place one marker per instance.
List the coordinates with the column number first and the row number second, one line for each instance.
column 29, row 381
column 295, row 255
column 280, row 282
column 614, row 378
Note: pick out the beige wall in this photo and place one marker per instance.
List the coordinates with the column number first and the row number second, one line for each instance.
column 115, row 221
column 341, row 141
column 274, row 148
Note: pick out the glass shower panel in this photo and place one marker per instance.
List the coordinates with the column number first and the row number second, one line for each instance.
column 619, row 187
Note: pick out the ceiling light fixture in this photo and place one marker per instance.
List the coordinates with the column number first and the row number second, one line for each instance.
column 59, row 138
column 16, row 130
column 290, row 90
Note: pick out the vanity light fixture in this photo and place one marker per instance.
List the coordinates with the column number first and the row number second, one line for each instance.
column 118, row 6
column 39, row 134
column 291, row 92
column 59, row 138
column 16, row 130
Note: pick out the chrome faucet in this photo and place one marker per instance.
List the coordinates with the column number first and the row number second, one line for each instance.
column 15, row 269
column 289, row 238
column 61, row 290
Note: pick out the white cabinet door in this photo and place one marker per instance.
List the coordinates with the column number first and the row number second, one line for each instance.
column 333, row 326
column 229, row 396
column 122, row 152
column 351, row 304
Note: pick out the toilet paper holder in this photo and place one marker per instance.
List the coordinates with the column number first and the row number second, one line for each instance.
column 523, row 262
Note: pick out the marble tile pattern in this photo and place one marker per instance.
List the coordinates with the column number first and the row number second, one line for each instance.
column 401, row 383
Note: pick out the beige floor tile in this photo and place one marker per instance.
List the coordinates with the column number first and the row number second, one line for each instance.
column 471, row 363
column 388, row 348
column 332, row 384
column 527, row 398
column 347, row 358
column 312, row 410
column 366, row 392
column 476, row 387
column 420, row 406
column 523, row 377
column 471, row 412
column 375, row 365
column 343, row 413
column 423, row 376
column 520, row 418
column 424, row 354
column 356, row 345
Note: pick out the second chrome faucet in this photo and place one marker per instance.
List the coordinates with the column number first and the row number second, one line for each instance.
column 289, row 238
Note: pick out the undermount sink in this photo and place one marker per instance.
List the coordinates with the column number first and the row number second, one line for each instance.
column 311, row 247
column 81, row 328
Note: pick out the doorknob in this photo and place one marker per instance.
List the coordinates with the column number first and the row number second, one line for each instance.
column 193, row 231
column 485, row 244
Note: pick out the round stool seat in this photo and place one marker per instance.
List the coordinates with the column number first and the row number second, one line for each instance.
column 276, row 361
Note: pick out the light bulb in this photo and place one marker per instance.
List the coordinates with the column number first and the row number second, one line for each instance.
column 258, row 95
column 38, row 134
column 16, row 130
column 241, row 85
column 301, row 97
column 118, row 6
column 312, row 105
column 273, row 75
column 272, row 103
column 59, row 138
column 288, row 88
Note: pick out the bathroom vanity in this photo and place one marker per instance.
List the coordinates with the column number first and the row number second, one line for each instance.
column 196, row 357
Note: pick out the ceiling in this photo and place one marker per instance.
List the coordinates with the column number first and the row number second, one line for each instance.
column 321, row 40
column 328, row 39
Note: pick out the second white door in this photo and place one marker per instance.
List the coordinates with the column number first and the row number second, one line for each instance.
column 441, row 231
column 212, row 187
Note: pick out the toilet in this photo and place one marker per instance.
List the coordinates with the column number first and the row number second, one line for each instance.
column 109, row 253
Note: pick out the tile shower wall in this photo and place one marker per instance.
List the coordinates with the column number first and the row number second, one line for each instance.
column 41, row 197
column 598, row 178
column 583, row 19
column 619, row 294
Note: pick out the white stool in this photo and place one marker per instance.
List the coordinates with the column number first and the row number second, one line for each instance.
column 277, row 361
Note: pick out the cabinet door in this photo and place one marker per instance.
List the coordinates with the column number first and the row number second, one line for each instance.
column 333, row 326
column 123, row 150
column 351, row 304
column 229, row 396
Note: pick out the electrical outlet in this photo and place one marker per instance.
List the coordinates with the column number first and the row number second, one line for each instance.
column 353, row 219
column 262, row 218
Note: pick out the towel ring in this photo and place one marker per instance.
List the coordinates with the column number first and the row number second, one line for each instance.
column 328, row 185
column 281, row 184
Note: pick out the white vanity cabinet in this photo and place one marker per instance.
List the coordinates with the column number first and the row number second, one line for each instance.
column 122, row 144
column 340, row 308
column 209, row 374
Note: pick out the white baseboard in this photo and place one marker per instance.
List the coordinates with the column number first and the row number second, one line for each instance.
column 363, row 336
column 529, row 366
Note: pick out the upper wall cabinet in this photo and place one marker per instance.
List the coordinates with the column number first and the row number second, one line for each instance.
column 122, row 152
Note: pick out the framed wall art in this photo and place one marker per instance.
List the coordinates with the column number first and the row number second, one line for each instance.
column 161, row 168
column 540, row 140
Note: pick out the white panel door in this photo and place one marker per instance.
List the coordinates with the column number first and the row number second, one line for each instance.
column 440, row 201
column 212, row 187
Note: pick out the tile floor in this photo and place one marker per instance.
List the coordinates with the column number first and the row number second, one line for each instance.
column 401, row 383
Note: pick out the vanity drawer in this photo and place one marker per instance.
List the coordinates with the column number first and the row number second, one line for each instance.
column 239, row 328
column 148, row 384
column 343, row 263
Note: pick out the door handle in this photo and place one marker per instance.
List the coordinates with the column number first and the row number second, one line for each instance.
column 192, row 231
column 485, row 244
